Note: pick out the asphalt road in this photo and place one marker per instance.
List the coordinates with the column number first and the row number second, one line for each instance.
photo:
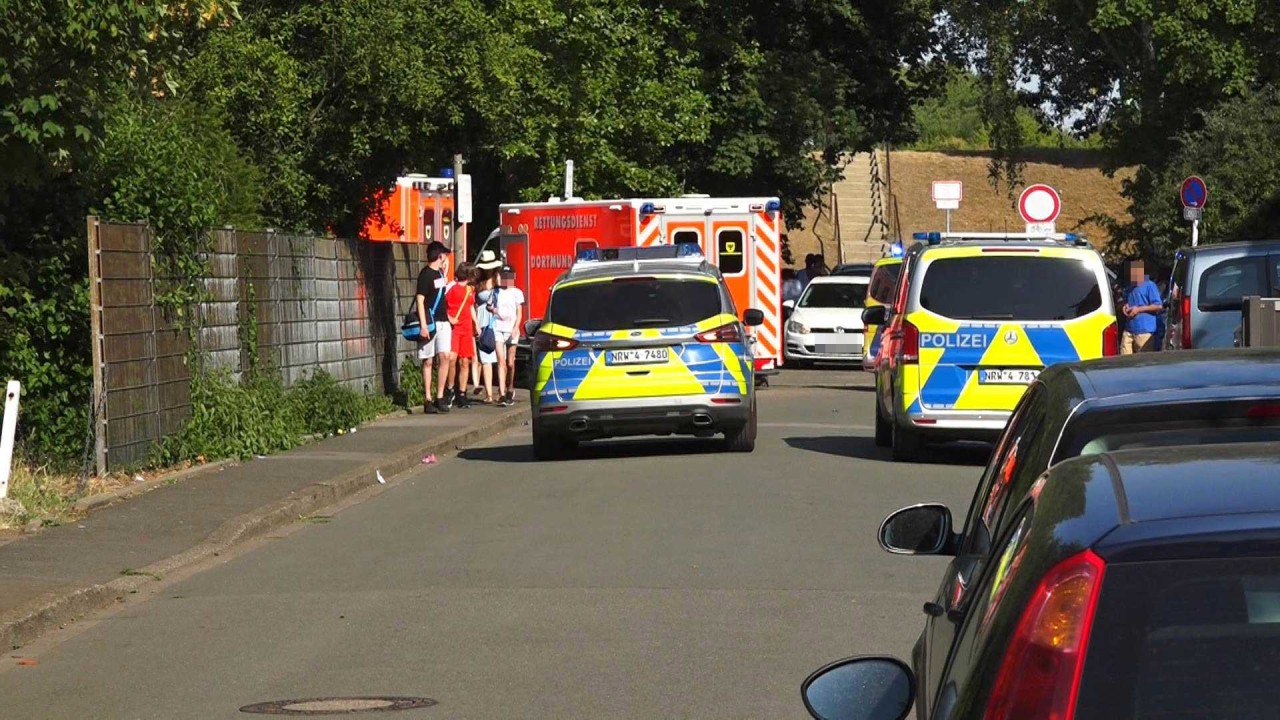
column 646, row 579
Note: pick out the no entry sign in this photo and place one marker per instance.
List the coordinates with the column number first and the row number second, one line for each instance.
column 1039, row 204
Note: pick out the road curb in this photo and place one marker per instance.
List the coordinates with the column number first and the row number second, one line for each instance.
column 56, row 609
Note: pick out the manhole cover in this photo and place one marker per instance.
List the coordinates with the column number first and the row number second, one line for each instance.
column 337, row 705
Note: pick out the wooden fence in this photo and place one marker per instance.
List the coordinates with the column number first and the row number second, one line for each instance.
column 313, row 303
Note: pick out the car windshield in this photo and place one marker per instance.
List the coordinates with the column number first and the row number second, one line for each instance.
column 1185, row 639
column 834, row 295
column 634, row 302
column 1006, row 287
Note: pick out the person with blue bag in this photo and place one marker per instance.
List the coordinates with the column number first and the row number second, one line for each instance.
column 486, row 322
column 434, row 333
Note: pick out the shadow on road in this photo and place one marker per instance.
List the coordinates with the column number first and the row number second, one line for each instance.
column 603, row 450
column 864, row 448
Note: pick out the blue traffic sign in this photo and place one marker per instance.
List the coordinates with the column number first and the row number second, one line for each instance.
column 1195, row 194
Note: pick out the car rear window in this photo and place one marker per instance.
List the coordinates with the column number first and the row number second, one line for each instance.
column 1225, row 285
column 639, row 302
column 1209, row 422
column 834, row 295
column 1185, row 639
column 1008, row 287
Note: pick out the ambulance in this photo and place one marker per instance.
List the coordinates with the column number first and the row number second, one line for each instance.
column 740, row 236
column 974, row 319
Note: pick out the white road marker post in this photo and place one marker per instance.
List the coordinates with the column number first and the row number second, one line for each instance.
column 12, row 394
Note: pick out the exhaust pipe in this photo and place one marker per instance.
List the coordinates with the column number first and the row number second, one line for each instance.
column 578, row 425
column 702, row 420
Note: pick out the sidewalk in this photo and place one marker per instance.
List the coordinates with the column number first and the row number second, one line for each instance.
column 61, row 573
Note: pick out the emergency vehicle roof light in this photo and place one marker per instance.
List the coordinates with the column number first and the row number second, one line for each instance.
column 688, row 250
column 935, row 238
column 588, row 255
column 647, row 209
column 772, row 206
column 922, row 237
column 895, row 250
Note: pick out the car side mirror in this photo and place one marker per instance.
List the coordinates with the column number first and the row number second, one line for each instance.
column 861, row 688
column 789, row 304
column 919, row 530
column 531, row 327
column 753, row 317
column 874, row 315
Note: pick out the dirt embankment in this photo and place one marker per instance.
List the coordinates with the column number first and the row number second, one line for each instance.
column 1087, row 192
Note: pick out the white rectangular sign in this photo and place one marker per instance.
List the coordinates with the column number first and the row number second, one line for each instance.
column 464, row 199
column 947, row 194
column 1041, row 228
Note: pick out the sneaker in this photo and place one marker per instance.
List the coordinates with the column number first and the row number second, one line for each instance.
column 463, row 402
column 429, row 409
column 511, row 397
column 442, row 405
column 506, row 401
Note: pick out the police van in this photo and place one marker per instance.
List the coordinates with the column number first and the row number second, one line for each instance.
column 642, row 341
column 974, row 319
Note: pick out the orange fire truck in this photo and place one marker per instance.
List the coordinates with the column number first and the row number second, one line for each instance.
column 741, row 236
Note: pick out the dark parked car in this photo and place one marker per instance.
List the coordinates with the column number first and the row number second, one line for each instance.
column 1152, row 400
column 1132, row 584
column 863, row 269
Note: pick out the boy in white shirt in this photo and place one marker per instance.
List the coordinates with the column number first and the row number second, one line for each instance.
column 509, row 310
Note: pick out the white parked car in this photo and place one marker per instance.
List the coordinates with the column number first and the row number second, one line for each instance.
column 826, row 322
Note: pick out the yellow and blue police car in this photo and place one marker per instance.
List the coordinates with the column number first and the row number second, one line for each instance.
column 884, row 280
column 976, row 318
column 642, row 341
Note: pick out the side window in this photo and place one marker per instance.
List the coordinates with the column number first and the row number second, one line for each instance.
column 1224, row 286
column 686, row 236
column 731, row 251
column 993, row 489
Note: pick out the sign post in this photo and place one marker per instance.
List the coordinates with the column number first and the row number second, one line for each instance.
column 1194, row 195
column 1039, row 206
column 947, row 195
column 7, row 430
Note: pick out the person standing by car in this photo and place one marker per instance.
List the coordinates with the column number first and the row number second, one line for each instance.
column 509, row 309
column 486, row 287
column 1142, row 303
column 429, row 298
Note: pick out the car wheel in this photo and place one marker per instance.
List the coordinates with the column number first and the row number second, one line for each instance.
column 906, row 443
column 884, row 431
column 550, row 446
column 742, row 439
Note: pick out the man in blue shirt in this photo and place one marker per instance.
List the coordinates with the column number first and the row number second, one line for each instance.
column 1142, row 304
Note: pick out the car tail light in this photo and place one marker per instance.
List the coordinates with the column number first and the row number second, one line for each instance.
column 1111, row 340
column 1263, row 412
column 546, row 342
column 1186, row 321
column 730, row 333
column 910, row 343
column 1040, row 674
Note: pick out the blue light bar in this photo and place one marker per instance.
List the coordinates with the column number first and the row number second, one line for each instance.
column 772, row 206
column 935, row 238
column 1070, row 237
column 647, row 209
column 688, row 250
column 630, row 254
column 895, row 250
column 922, row 237
column 588, row 255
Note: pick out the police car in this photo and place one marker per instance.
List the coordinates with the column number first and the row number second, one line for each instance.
column 642, row 341
column 974, row 320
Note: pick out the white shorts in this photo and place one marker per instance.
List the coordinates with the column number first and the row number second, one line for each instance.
column 503, row 338
column 440, row 344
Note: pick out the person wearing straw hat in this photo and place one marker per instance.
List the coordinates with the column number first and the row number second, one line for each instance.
column 488, row 264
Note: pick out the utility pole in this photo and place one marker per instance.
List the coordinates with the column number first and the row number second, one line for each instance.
column 458, row 230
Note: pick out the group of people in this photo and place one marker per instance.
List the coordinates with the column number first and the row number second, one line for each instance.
column 480, row 303
column 794, row 283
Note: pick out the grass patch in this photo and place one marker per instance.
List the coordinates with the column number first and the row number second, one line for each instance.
column 42, row 494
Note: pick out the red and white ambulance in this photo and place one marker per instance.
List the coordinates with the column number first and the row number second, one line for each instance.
column 740, row 236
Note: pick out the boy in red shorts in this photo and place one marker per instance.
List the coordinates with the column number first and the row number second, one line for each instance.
column 460, row 304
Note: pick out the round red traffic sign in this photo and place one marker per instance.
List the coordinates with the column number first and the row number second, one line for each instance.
column 1039, row 204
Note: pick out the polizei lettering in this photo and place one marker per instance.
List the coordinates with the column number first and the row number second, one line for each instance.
column 540, row 262
column 564, row 222
column 977, row 341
